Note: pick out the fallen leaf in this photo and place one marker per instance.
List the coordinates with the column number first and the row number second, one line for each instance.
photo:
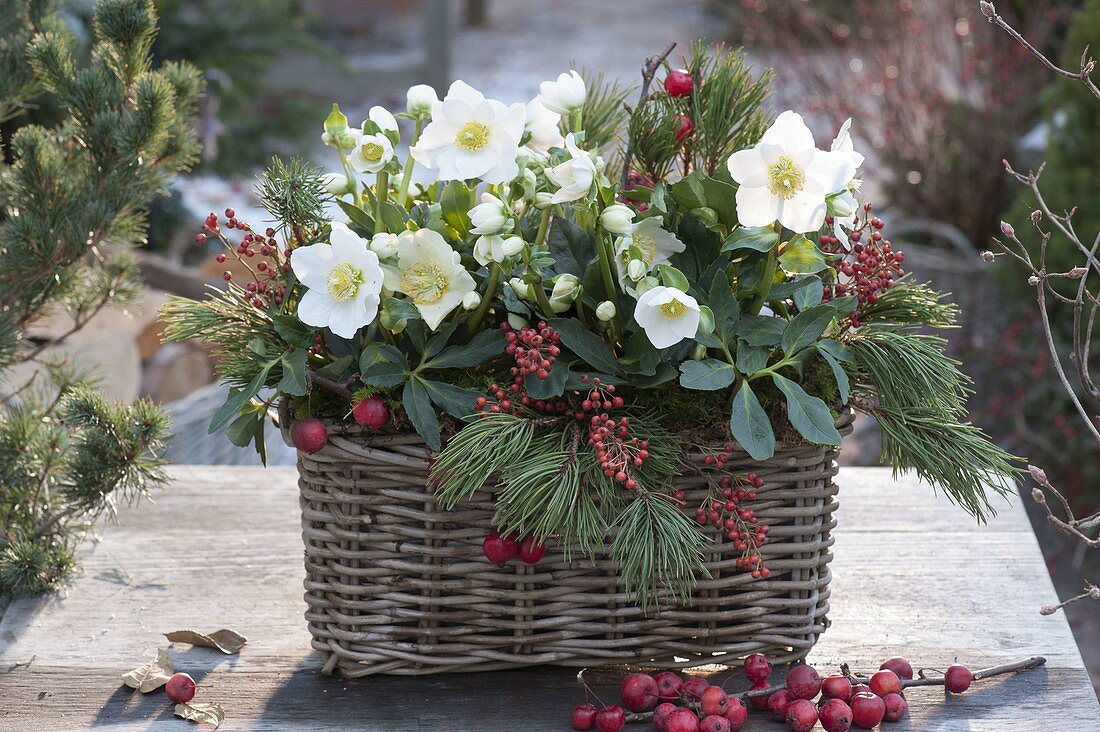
column 207, row 713
column 152, row 675
column 224, row 640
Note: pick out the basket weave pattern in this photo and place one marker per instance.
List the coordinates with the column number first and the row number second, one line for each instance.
column 396, row 585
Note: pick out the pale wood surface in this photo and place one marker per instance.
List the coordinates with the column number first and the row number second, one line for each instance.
column 913, row 577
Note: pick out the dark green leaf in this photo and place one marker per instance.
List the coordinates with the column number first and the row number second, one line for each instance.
column 393, row 218
column 572, row 247
column 801, row 256
column 484, row 346
column 838, row 373
column 761, row 330
column 382, row 366
column 294, row 372
column 805, row 328
column 751, row 359
column 672, row 277
column 418, row 406
column 455, row 204
column 837, row 350
column 454, row 400
column 750, row 426
column 843, row 305
column 552, row 386
column 808, row 414
column 688, row 192
column 639, row 356
column 239, row 398
column 727, row 311
column 439, row 339
column 665, row 372
column 358, row 216
column 757, row 238
column 338, row 368
column 809, row 294
column 710, row 374
column 396, row 313
column 586, row 344
column 721, row 197
column 293, row 331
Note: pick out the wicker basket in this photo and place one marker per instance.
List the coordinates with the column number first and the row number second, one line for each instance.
column 396, row 585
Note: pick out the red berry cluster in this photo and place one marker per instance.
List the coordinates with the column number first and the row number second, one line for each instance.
column 534, row 351
column 867, row 262
column 500, row 549
column 726, row 511
column 260, row 255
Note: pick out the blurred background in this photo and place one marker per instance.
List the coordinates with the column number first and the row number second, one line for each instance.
column 939, row 99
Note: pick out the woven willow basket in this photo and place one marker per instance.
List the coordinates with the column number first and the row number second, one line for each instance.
column 396, row 585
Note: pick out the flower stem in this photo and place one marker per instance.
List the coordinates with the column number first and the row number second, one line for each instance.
column 575, row 120
column 406, row 174
column 769, row 276
column 350, row 175
column 490, row 291
column 544, row 228
column 381, row 193
column 606, row 255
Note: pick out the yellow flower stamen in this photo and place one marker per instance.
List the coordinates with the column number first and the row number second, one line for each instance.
column 372, row 152
column 646, row 245
column 425, row 283
column 344, row 281
column 473, row 136
column 785, row 178
column 673, row 309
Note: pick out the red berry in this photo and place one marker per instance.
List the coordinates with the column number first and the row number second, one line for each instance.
column 860, row 689
column 899, row 666
column 836, row 716
column 686, row 126
column 530, row 551
column 682, row 720
column 801, row 715
column 309, row 435
column 837, row 687
column 885, row 682
column 757, row 668
column 499, row 549
column 584, row 717
column 957, row 679
column 669, row 684
column 714, row 701
column 759, row 702
column 610, row 719
column 896, row 707
column 867, row 710
column 736, row 713
column 678, row 83
column 639, row 691
column 778, row 703
column 660, row 714
column 180, row 688
column 693, row 689
column 714, row 723
column 371, row 412
column 803, row 682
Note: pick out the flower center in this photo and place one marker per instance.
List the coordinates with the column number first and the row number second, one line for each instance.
column 372, row 152
column 473, row 136
column 673, row 309
column 645, row 243
column 785, row 178
column 425, row 283
column 344, row 281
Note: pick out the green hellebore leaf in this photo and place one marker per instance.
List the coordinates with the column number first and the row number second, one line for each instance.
column 749, row 424
column 807, row 414
column 801, row 256
column 757, row 238
column 710, row 374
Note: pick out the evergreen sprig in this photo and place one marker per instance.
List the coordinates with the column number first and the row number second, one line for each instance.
column 605, row 116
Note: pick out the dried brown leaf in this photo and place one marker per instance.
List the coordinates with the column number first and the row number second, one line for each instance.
column 226, row 641
column 152, row 675
column 204, row 713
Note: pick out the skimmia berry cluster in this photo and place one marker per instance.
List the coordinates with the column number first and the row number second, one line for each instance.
column 725, row 509
column 258, row 253
column 865, row 259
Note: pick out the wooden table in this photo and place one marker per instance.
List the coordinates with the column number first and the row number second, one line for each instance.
column 913, row 576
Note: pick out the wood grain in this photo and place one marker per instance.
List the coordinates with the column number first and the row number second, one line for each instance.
column 222, row 548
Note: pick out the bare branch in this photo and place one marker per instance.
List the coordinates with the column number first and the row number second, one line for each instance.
column 648, row 71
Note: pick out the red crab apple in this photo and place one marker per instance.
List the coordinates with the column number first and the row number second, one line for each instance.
column 836, row 716
column 660, row 715
column 837, row 687
column 736, row 713
column 867, row 710
column 682, row 720
column 860, row 689
column 499, row 549
column 714, row 723
column 370, row 412
column 678, row 83
column 899, row 666
column 714, row 701
column 180, row 688
column 803, row 682
column 757, row 668
column 801, row 715
column 309, row 435
column 885, row 682
column 639, row 692
column 584, row 717
column 778, row 703
column 610, row 719
column 669, row 684
column 530, row 551
column 957, row 679
column 693, row 689
column 896, row 707
column 759, row 702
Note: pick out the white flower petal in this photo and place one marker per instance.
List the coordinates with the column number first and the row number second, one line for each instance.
column 756, row 206
column 382, row 117
column 831, row 170
column 315, row 308
column 346, row 318
column 803, row 212
column 790, row 132
column 311, row 265
column 462, row 91
column 748, row 168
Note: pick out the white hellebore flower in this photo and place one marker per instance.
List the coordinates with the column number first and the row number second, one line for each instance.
column 573, row 177
column 344, row 282
column 495, row 248
column 521, row 289
column 655, row 244
column 430, row 272
column 842, row 207
column 605, row 311
column 617, row 218
column 383, row 118
column 471, row 137
column 513, row 245
column 564, row 95
column 471, row 300
column 419, row 101
column 543, row 126
column 371, row 153
column 490, row 216
column 786, row 179
column 564, row 292
column 384, row 244
column 335, row 183
column 667, row 316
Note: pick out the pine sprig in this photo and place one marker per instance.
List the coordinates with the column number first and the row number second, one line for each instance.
column 483, row 447
column 604, row 114
column 908, row 304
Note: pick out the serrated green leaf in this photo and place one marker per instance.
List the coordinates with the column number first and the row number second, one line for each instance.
column 801, row 256
column 382, row 365
column 484, row 346
column 418, row 407
column 586, row 344
column 761, row 330
column 726, row 308
column 751, row 359
column 293, row 331
column 807, row 414
column 749, row 424
column 552, row 386
column 710, row 374
column 805, row 328
column 809, row 294
column 454, row 400
column 293, row 381
column 572, row 247
column 837, row 350
column 757, row 239
column 639, row 355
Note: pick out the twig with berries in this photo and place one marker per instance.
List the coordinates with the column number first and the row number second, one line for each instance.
column 867, row 261
column 272, row 264
column 652, row 64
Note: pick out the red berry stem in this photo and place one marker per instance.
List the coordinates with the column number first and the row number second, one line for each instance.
column 922, row 680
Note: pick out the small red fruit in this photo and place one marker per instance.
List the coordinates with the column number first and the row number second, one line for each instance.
column 778, row 703
column 530, row 551
column 370, row 412
column 309, row 435
column 759, row 702
column 885, row 682
column 801, row 715
column 867, row 710
column 957, row 679
column 714, row 723
column 860, row 689
column 715, row 700
column 837, row 687
column 660, row 714
column 757, row 668
column 803, row 682
column 584, row 717
column 180, row 688
column 638, row 691
column 678, row 83
column 899, row 666
column 669, row 684
column 610, row 719
column 896, row 707
column 836, row 716
column 499, row 549
column 686, row 127
column 682, row 720
column 736, row 713
column 693, row 689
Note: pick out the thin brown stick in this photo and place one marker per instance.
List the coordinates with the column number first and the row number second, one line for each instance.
column 648, row 71
column 333, row 386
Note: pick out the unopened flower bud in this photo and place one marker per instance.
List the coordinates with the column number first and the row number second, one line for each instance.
column 1007, row 230
column 699, row 353
column 617, row 218
column 512, row 246
column 419, row 101
column 566, row 289
column 521, row 288
column 1077, row 273
column 636, row 269
column 1036, row 216
column 335, row 183
column 1038, row 496
column 384, row 244
column 1048, row 610
column 988, row 256
column 605, row 311
column 987, row 9
column 544, row 200
column 1037, row 474
column 471, row 300
column 1033, row 280
column 1094, row 593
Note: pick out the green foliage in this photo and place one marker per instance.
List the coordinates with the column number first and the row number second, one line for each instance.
column 73, row 202
column 604, row 114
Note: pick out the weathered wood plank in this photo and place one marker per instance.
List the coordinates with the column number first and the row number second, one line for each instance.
column 913, row 576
